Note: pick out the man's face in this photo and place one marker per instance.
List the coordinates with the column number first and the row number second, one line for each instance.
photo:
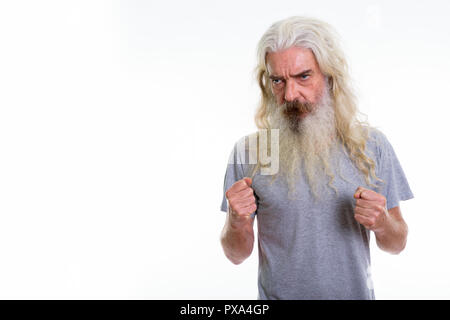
column 295, row 76
column 305, row 115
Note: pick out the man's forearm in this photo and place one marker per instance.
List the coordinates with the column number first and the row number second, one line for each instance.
column 237, row 239
column 393, row 237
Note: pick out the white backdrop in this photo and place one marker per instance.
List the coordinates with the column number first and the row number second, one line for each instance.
column 117, row 119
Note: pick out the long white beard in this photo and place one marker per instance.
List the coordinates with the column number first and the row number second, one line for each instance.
column 307, row 145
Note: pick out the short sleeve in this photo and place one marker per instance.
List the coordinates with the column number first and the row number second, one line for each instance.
column 395, row 187
column 237, row 169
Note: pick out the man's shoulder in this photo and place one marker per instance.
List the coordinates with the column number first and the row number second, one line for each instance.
column 375, row 133
column 241, row 148
column 244, row 141
column 378, row 143
column 376, row 138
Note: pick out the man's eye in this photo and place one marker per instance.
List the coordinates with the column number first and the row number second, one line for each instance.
column 276, row 81
column 304, row 76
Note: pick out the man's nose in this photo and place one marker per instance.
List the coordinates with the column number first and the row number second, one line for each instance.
column 291, row 93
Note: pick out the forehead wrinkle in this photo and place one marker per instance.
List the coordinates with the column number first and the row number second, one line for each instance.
column 297, row 65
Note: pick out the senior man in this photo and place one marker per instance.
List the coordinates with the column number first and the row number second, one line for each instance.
column 337, row 179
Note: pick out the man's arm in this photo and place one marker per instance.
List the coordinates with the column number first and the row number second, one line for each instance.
column 389, row 227
column 237, row 236
column 392, row 238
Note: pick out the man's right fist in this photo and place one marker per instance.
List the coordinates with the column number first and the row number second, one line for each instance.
column 240, row 197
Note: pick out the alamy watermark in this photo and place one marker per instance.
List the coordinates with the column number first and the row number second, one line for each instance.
column 262, row 146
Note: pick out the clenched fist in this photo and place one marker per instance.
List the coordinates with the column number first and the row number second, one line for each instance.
column 370, row 209
column 241, row 200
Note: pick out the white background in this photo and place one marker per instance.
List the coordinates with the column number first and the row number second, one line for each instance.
column 117, row 120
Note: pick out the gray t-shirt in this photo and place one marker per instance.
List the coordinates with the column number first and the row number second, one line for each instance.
column 317, row 250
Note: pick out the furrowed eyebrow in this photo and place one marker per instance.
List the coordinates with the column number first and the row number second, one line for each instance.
column 305, row 72
column 273, row 77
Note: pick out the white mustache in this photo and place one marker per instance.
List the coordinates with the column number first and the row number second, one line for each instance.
column 297, row 106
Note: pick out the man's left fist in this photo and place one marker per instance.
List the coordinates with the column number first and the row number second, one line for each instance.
column 370, row 209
